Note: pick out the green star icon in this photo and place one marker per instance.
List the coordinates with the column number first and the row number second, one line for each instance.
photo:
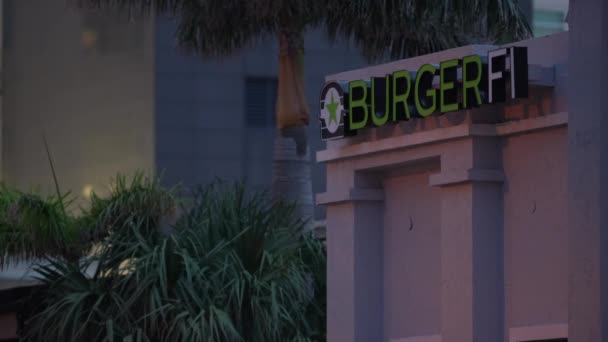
column 332, row 107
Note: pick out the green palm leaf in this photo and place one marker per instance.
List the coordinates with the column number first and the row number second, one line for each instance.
column 382, row 29
column 236, row 267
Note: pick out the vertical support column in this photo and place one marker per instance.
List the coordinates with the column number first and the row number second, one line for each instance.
column 472, row 246
column 354, row 267
column 588, row 171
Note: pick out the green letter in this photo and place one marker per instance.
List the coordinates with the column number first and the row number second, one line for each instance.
column 380, row 120
column 471, row 78
column 359, row 103
column 447, row 79
column 401, row 98
column 430, row 92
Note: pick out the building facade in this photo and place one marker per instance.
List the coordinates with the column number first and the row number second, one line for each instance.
column 481, row 224
column 454, row 227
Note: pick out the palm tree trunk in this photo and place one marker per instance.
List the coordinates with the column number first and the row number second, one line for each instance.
column 291, row 179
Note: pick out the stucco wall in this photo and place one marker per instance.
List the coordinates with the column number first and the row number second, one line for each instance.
column 536, row 236
column 412, row 255
column 524, row 214
column 95, row 105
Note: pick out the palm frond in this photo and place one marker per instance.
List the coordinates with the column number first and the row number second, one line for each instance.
column 237, row 267
column 404, row 28
column 75, row 307
column 388, row 28
column 132, row 7
column 216, row 27
column 221, row 27
column 141, row 200
column 33, row 227
column 52, row 165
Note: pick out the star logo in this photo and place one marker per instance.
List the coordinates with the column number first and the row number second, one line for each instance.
column 332, row 111
column 332, row 107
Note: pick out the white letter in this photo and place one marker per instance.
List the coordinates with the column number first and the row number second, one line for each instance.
column 494, row 75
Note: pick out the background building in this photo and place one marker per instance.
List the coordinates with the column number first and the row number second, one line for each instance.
column 115, row 95
column 83, row 80
column 546, row 16
column 549, row 16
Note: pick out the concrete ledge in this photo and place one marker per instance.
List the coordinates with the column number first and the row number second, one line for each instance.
column 442, row 135
column 530, row 125
column 403, row 141
column 429, row 338
column 538, row 332
column 464, row 176
column 354, row 195
column 542, row 76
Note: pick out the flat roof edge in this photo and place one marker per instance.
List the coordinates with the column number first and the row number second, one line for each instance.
column 558, row 40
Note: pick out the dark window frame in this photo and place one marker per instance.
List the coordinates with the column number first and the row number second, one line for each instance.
column 260, row 101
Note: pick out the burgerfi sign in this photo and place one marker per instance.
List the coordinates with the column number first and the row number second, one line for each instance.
column 452, row 85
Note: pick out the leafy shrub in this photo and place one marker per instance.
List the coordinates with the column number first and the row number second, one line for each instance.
column 230, row 266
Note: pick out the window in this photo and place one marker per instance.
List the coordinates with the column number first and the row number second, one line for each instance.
column 260, row 101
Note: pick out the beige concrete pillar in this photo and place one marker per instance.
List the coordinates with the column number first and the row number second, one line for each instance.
column 471, row 243
column 354, row 267
column 588, row 171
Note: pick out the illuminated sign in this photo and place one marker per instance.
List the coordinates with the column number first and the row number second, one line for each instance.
column 453, row 85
